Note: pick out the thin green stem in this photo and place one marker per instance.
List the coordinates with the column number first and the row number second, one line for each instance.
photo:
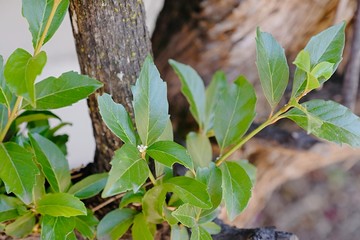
column 40, row 43
column 268, row 122
column 11, row 118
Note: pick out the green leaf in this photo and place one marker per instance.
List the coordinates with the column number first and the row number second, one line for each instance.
column 199, row 233
column 60, row 204
column 211, row 177
column 131, row 197
column 30, row 116
column 115, row 224
column 338, row 123
column 192, row 86
column 37, row 13
column 63, row 91
column 236, row 186
column 234, row 112
column 213, row 93
column 168, row 153
column 326, row 46
column 153, row 204
column 179, row 232
column 52, row 161
column 117, row 119
column 249, row 168
column 5, row 93
column 22, row 226
column 128, row 172
column 140, row 229
column 190, row 191
column 56, row 228
column 39, row 187
column 3, row 116
column 150, row 103
column 323, row 70
column 168, row 133
column 302, row 61
column 187, row 214
column 199, row 148
column 89, row 186
column 21, row 70
column 8, row 208
column 211, row 227
column 86, row 225
column 18, row 171
column 272, row 67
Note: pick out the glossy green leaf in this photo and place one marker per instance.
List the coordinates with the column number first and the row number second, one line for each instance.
column 8, row 207
column 302, row 61
column 150, row 103
column 234, row 112
column 39, row 187
column 236, row 186
column 187, row 214
column 30, row 116
column 249, row 168
column 3, row 116
column 60, row 204
column 5, row 93
column 37, row 13
column 168, row 133
column 18, row 171
column 326, row 46
column 272, row 67
column 22, row 226
column 211, row 227
column 213, row 93
column 56, row 228
column 192, row 86
column 63, row 91
column 168, row 153
column 179, row 232
column 190, row 191
column 153, row 204
column 199, row 233
column 140, row 229
column 117, row 119
column 128, row 172
column 323, row 71
column 211, row 177
column 86, row 225
column 338, row 123
column 115, row 224
column 89, row 186
column 53, row 163
column 199, row 148
column 131, row 197
column 21, row 70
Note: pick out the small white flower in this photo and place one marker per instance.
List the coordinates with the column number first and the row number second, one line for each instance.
column 141, row 148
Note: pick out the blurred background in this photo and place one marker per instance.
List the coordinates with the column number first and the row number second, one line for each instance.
column 310, row 188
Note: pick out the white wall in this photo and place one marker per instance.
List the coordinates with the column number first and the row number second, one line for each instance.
column 61, row 58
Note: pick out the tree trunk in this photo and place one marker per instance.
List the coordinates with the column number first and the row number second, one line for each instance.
column 111, row 42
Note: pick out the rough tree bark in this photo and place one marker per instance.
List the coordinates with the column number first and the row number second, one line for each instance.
column 111, row 42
